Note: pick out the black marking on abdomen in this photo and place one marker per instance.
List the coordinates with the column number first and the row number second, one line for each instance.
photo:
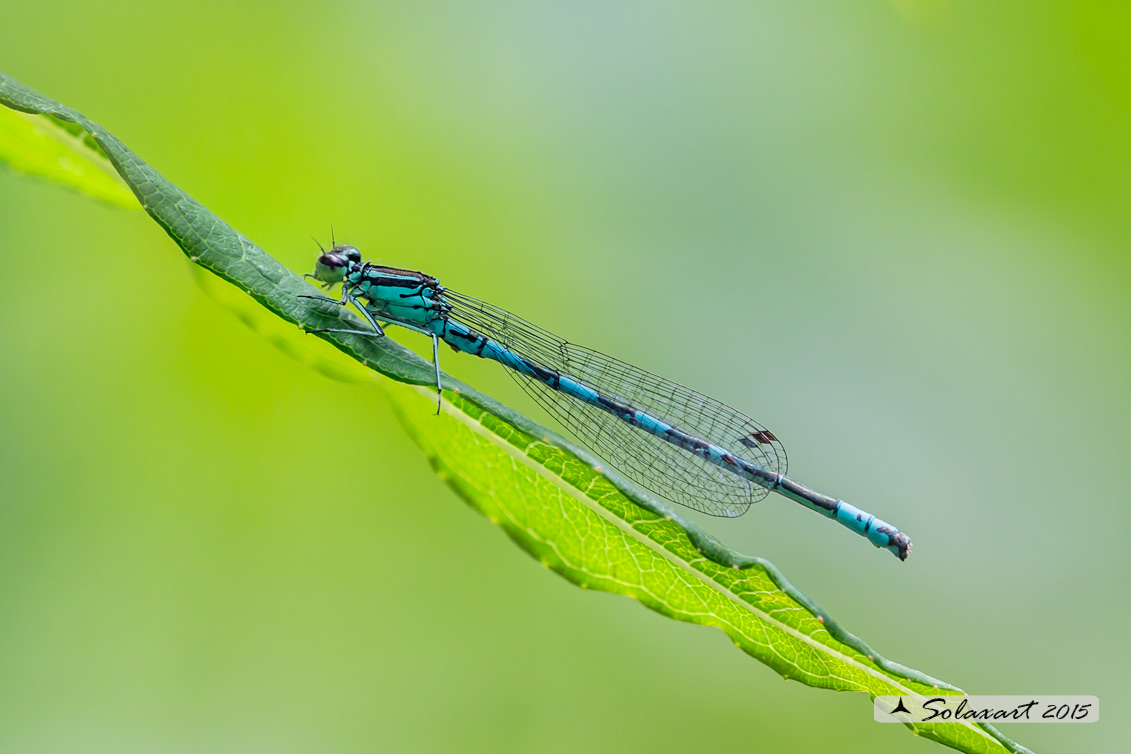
column 470, row 337
column 541, row 373
column 678, row 435
column 768, row 479
column 688, row 442
column 616, row 407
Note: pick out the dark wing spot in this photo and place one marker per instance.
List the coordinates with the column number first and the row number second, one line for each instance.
column 765, row 437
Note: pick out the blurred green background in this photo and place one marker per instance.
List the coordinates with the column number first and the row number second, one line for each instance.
column 895, row 233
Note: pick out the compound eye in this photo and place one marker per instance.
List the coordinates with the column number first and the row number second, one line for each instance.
column 352, row 254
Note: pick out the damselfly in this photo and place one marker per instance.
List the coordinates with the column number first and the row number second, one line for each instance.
column 680, row 444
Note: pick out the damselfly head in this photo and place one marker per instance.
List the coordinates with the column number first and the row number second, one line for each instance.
column 335, row 264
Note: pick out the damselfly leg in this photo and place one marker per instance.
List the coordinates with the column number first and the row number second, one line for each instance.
column 379, row 332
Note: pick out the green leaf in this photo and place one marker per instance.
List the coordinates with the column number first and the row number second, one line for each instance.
column 42, row 145
column 590, row 525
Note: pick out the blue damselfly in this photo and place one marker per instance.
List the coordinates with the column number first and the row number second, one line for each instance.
column 680, row 444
